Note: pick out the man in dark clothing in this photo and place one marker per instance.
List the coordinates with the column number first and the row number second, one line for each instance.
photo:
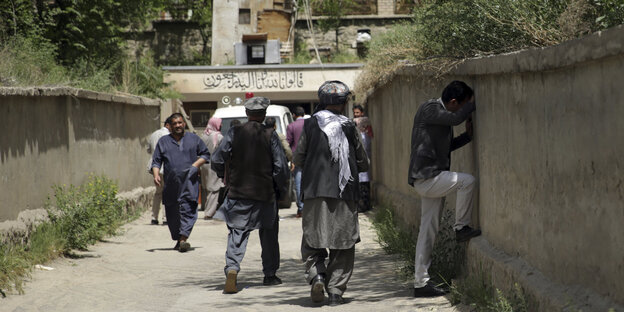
column 430, row 162
column 257, row 174
column 182, row 154
column 331, row 155
column 293, row 132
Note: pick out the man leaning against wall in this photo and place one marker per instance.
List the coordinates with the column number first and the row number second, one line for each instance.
column 430, row 175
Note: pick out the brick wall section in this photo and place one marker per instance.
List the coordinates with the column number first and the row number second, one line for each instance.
column 385, row 7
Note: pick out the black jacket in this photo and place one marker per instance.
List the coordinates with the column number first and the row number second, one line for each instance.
column 320, row 174
column 257, row 167
column 432, row 138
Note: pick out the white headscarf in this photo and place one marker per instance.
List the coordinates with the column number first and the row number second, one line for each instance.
column 331, row 124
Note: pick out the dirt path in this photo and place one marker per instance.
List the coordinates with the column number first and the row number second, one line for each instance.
column 138, row 271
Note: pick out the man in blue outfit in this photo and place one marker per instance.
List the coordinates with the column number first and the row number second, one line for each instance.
column 182, row 154
column 257, row 172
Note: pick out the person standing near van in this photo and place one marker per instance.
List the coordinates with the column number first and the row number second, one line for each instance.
column 270, row 122
column 293, row 132
column 211, row 184
column 257, row 174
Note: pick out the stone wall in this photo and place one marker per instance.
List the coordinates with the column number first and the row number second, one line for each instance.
column 347, row 33
column 170, row 42
column 547, row 154
column 385, row 7
column 56, row 136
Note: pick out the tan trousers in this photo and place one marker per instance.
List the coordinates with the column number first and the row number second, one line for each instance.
column 157, row 201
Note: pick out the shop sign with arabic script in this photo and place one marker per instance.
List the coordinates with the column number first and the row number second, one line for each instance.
column 255, row 80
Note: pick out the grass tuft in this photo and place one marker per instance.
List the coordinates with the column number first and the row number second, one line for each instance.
column 394, row 239
column 81, row 216
column 475, row 291
column 447, row 260
column 28, row 62
column 442, row 33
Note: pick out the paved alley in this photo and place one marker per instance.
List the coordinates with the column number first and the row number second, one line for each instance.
column 138, row 271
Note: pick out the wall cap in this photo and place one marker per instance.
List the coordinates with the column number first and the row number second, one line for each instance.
column 80, row 93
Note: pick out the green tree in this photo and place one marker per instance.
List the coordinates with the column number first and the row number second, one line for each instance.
column 18, row 18
column 94, row 30
column 202, row 15
column 333, row 12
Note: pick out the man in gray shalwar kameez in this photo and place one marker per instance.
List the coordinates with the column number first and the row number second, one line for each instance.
column 257, row 174
column 331, row 155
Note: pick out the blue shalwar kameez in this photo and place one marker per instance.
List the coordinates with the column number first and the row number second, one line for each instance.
column 181, row 180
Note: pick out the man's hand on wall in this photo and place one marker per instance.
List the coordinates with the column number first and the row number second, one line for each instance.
column 469, row 126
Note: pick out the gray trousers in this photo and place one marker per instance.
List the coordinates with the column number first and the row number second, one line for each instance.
column 338, row 270
column 432, row 192
column 237, row 246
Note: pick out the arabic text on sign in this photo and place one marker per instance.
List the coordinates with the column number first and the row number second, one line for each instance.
column 255, row 80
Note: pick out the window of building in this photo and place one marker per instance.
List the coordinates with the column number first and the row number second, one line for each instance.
column 244, row 16
column 255, row 54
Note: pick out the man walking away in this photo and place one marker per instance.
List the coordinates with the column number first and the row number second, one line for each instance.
column 182, row 154
column 257, row 174
column 430, row 162
column 157, row 200
column 331, row 155
column 293, row 132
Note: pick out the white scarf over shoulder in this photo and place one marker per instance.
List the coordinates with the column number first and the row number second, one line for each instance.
column 331, row 124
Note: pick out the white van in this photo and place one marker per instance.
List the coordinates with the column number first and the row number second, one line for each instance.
column 283, row 118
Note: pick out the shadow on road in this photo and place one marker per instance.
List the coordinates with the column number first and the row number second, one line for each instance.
column 373, row 280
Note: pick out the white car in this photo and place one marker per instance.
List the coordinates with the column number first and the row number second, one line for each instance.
column 283, row 118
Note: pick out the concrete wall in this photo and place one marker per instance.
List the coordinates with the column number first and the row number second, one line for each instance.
column 225, row 32
column 60, row 135
column 548, row 155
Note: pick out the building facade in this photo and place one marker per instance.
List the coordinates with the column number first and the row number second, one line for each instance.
column 206, row 88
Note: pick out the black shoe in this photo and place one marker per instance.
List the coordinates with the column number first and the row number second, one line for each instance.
column 177, row 246
column 154, row 222
column 466, row 233
column 316, row 291
column 335, row 300
column 271, row 280
column 429, row 291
